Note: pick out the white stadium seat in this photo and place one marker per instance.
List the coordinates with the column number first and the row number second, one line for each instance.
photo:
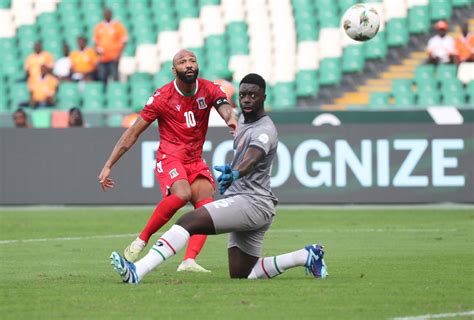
column 147, row 58
column 211, row 20
column 190, row 33
column 307, row 55
column 412, row 3
column 168, row 45
column 41, row 6
column 7, row 28
column 127, row 65
column 395, row 9
column 330, row 40
column 466, row 72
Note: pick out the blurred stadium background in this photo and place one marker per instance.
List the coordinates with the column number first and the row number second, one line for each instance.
column 297, row 45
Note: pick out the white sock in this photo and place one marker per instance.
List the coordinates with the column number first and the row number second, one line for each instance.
column 169, row 243
column 269, row 267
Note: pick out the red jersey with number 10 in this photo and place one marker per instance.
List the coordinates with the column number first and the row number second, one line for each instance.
column 183, row 120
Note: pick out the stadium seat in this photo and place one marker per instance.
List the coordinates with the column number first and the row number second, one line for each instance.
column 403, row 94
column 446, row 72
column 59, row 119
column 470, row 93
column 41, row 118
column 424, row 73
column 93, row 96
column 376, row 48
column 397, row 32
column 440, row 9
column 284, row 97
column 461, row 3
column 379, row 100
column 68, row 95
column 18, row 93
column 117, row 96
column 418, row 20
column 330, row 71
column 454, row 98
column 428, row 98
column 466, row 72
column 353, row 58
column 307, row 83
column 114, row 120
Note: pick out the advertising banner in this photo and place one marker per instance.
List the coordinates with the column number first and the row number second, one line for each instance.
column 348, row 164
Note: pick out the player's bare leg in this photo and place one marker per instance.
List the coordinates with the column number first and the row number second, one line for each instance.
column 201, row 193
column 180, row 194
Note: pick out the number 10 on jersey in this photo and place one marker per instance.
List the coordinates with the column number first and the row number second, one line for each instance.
column 190, row 121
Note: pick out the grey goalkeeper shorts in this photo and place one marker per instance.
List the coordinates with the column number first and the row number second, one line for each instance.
column 245, row 218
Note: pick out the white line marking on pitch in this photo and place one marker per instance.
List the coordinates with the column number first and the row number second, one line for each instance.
column 126, row 235
column 437, row 316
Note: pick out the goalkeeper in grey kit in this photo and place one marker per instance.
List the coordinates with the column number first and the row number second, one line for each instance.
column 246, row 212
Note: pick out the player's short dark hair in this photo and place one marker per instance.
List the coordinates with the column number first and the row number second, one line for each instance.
column 253, row 78
column 20, row 110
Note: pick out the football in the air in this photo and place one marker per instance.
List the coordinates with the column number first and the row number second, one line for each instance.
column 361, row 22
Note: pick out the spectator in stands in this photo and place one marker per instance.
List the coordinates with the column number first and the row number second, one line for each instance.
column 84, row 61
column 62, row 67
column 20, row 119
column 464, row 45
column 441, row 46
column 75, row 118
column 37, row 59
column 43, row 88
column 110, row 37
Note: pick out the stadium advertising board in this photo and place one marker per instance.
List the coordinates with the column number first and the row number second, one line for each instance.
column 369, row 163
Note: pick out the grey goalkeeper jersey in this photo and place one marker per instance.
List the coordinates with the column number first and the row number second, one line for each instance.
column 261, row 134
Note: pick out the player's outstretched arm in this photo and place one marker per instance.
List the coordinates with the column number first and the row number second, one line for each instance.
column 230, row 117
column 228, row 175
column 126, row 141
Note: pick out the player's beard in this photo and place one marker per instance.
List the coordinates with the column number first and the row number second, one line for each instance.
column 186, row 79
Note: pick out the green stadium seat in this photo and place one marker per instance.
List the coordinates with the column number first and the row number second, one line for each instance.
column 404, row 100
column 18, row 93
column 376, row 48
column 187, row 9
column 93, row 96
column 461, row 3
column 114, row 120
column 140, row 91
column 91, row 103
column 353, row 58
column 208, row 3
column 307, row 84
column 4, row 107
column 117, row 96
column 446, row 72
column 284, row 97
column 68, row 95
column 345, row 4
column 307, row 30
column 470, row 93
column 401, row 86
column 440, row 9
column 454, row 98
column 41, row 118
column 424, row 73
column 5, row 4
column 428, row 98
column 419, row 19
column 397, row 32
column 379, row 100
column 329, row 71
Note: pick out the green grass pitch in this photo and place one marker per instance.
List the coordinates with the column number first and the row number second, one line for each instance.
column 383, row 263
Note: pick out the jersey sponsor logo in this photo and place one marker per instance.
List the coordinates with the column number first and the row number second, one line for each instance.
column 178, row 107
column 263, row 138
column 201, row 103
column 159, row 167
column 173, row 173
column 150, row 100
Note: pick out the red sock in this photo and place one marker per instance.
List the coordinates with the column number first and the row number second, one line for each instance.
column 162, row 214
column 196, row 242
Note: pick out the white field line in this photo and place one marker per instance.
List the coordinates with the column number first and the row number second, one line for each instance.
column 314, row 231
column 437, row 316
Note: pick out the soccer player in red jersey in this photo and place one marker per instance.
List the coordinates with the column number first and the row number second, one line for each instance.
column 182, row 109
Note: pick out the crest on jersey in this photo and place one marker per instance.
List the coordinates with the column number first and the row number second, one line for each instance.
column 201, row 103
column 173, row 173
column 178, row 107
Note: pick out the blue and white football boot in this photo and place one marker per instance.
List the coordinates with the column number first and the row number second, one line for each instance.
column 125, row 269
column 315, row 262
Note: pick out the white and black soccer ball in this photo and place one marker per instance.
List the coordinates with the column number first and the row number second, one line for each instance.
column 361, row 22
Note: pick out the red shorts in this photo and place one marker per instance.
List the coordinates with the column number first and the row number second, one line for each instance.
column 169, row 170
